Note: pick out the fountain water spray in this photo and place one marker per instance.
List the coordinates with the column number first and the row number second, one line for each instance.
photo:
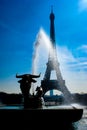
column 42, row 45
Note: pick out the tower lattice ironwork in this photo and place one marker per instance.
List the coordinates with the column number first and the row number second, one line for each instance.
column 53, row 65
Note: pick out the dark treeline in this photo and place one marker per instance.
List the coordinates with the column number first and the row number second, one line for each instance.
column 80, row 98
column 6, row 98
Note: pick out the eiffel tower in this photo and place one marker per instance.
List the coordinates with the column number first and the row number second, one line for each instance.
column 53, row 65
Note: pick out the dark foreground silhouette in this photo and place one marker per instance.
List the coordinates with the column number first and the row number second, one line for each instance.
column 39, row 119
column 30, row 101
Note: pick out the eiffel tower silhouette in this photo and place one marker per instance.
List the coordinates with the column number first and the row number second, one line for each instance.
column 53, row 65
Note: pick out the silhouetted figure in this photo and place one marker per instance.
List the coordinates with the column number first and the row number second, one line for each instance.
column 39, row 97
column 39, row 92
column 25, row 85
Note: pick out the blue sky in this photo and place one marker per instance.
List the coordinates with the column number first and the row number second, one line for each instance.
column 21, row 20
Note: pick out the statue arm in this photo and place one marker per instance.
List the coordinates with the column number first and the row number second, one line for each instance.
column 35, row 76
column 19, row 76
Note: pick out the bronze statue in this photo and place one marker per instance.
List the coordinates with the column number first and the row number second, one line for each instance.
column 39, row 93
column 25, row 82
column 25, row 85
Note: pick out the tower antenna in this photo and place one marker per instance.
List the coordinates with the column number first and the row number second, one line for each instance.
column 51, row 8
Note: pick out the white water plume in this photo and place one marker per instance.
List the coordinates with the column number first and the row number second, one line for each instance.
column 42, row 45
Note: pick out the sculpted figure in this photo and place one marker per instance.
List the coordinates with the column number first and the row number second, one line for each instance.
column 25, row 84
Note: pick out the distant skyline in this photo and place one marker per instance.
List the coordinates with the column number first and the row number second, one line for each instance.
column 21, row 21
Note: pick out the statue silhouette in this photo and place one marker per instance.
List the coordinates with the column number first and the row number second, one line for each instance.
column 25, row 85
column 39, row 92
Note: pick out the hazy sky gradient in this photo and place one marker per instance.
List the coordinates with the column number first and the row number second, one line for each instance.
column 21, row 20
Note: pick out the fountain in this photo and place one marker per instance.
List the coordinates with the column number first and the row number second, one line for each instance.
column 33, row 111
column 72, row 113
